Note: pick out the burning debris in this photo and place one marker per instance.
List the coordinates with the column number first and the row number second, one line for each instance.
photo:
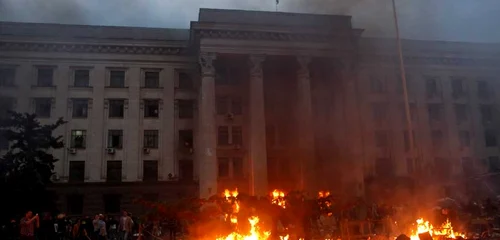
column 444, row 231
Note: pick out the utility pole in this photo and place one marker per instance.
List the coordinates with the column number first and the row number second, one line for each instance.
column 405, row 91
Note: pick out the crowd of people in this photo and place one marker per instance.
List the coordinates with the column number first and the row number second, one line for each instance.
column 61, row 227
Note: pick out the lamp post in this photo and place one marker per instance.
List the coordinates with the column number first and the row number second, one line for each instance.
column 405, row 89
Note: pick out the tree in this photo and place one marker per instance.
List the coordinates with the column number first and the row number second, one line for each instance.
column 27, row 167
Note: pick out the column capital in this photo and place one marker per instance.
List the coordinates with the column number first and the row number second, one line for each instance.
column 206, row 60
column 255, row 63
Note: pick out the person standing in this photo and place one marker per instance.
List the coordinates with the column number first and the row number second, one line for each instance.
column 28, row 226
column 125, row 226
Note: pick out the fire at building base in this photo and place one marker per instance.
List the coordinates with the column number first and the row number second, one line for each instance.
column 283, row 216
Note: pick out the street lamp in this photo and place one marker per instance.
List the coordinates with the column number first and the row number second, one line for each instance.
column 405, row 89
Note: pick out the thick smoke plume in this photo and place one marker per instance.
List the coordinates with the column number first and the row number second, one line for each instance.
column 452, row 20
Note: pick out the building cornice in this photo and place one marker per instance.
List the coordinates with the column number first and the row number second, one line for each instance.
column 424, row 60
column 98, row 48
column 270, row 33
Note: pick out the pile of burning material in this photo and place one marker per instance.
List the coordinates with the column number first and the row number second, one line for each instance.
column 425, row 228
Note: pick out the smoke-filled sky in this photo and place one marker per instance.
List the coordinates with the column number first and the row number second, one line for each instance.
column 452, row 20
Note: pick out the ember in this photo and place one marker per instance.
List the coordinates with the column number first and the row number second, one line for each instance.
column 445, row 231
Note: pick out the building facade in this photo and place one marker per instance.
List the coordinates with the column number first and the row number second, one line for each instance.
column 235, row 102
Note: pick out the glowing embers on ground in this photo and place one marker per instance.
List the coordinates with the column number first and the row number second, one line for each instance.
column 254, row 233
column 445, row 231
column 278, row 198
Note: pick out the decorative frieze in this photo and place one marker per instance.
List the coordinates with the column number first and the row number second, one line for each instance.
column 269, row 36
column 89, row 48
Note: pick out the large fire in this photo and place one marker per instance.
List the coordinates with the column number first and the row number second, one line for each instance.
column 255, row 233
column 445, row 231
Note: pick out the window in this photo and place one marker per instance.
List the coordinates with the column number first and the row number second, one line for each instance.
column 442, row 169
column 78, row 139
column 7, row 77
column 223, row 136
column 483, row 90
column 112, row 203
column 186, row 172
column 116, row 108
column 186, row 108
column 376, row 85
column 461, row 112
column 490, row 138
column 270, row 136
column 185, row 81
column 115, row 139
column 151, row 79
column 222, row 105
column 80, row 108
column 151, row 139
column 236, row 107
column 379, row 112
column 407, row 140
column 81, row 78
column 226, row 75
column 186, row 138
column 116, row 79
column 6, row 105
column 45, row 77
column 493, row 164
column 486, row 113
column 464, row 137
column 43, row 107
column 457, row 86
column 151, row 108
column 114, row 171
column 437, row 138
column 75, row 204
column 381, row 139
column 150, row 171
column 223, row 168
column 431, row 86
column 238, row 168
column 237, row 136
column 435, row 111
column 76, row 171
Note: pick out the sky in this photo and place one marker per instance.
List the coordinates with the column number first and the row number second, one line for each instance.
column 449, row 20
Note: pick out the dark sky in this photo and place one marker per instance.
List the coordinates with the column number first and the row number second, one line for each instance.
column 452, row 20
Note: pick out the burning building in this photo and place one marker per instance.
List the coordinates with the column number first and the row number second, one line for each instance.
column 253, row 100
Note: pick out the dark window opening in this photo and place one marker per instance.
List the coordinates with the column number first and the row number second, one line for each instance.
column 151, row 79
column 82, row 78
column 151, row 108
column 150, row 171
column 115, row 139
column 151, row 139
column 45, row 77
column 116, row 79
column 116, row 108
column 76, row 171
column 112, row 203
column 114, row 171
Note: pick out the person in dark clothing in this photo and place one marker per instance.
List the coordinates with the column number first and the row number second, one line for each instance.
column 172, row 227
column 47, row 231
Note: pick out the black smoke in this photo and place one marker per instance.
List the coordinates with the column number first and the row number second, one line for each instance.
column 451, row 20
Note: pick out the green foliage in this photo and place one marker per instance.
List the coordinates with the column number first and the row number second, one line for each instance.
column 28, row 165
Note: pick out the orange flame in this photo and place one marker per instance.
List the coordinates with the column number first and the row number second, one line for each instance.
column 323, row 194
column 446, row 230
column 278, row 198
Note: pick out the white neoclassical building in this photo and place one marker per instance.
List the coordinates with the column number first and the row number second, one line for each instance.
column 303, row 103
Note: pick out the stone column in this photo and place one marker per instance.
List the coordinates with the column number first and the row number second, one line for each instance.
column 206, row 149
column 257, row 127
column 305, row 141
column 352, row 183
